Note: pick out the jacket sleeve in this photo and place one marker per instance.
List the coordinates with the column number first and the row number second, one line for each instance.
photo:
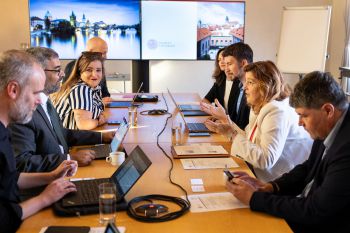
column 327, row 200
column 27, row 143
column 273, row 132
column 212, row 94
column 82, row 137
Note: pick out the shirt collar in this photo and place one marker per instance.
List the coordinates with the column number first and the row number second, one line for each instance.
column 331, row 136
column 43, row 98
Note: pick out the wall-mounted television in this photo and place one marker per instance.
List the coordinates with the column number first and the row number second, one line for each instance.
column 66, row 26
column 193, row 30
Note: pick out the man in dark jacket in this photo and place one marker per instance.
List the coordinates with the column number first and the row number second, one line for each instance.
column 315, row 195
column 42, row 144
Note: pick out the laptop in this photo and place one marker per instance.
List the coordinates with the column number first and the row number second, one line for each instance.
column 103, row 150
column 125, row 177
column 192, row 127
column 124, row 104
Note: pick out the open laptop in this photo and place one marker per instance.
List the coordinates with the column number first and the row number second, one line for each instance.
column 125, row 177
column 103, row 150
column 192, row 127
column 124, row 104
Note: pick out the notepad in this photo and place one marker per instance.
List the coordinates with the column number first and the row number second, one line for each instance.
column 188, row 151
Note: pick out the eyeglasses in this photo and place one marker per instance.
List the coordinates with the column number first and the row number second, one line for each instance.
column 56, row 70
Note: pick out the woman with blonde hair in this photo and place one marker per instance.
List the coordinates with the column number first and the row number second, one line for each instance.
column 79, row 101
column 272, row 142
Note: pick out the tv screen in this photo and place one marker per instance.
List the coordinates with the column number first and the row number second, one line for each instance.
column 190, row 29
column 66, row 26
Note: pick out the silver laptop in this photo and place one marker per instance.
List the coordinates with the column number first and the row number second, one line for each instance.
column 192, row 127
column 103, row 150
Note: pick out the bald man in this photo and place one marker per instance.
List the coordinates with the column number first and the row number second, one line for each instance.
column 94, row 44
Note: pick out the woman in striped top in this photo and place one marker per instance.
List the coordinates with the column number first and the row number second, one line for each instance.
column 79, row 101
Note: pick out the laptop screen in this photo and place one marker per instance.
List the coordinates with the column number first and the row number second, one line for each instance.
column 119, row 135
column 130, row 171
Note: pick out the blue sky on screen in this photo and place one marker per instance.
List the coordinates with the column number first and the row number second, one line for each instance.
column 215, row 13
column 110, row 11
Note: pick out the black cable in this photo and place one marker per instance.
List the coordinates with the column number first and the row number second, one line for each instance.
column 185, row 205
column 171, row 161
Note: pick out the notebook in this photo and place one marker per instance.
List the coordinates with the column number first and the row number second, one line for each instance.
column 103, row 150
column 192, row 127
column 124, row 104
column 125, row 177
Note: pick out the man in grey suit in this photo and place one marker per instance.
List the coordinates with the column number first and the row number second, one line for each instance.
column 43, row 143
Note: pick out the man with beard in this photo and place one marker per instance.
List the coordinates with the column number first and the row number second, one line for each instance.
column 42, row 144
column 236, row 57
column 21, row 82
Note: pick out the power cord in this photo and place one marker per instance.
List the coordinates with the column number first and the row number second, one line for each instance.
column 185, row 205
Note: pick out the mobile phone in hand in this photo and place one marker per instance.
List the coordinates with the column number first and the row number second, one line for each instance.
column 229, row 175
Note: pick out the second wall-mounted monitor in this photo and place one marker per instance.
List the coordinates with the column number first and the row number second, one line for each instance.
column 190, row 30
column 66, row 26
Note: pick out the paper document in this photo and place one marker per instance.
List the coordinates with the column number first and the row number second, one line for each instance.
column 199, row 150
column 92, row 229
column 208, row 163
column 214, row 202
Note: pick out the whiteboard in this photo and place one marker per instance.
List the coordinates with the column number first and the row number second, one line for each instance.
column 304, row 39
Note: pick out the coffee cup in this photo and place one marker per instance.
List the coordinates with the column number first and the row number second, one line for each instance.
column 116, row 158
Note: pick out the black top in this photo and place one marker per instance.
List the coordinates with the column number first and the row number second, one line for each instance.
column 218, row 92
column 10, row 210
column 68, row 70
column 326, row 207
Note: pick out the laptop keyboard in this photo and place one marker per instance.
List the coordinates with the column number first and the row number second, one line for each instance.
column 101, row 151
column 197, row 127
column 87, row 193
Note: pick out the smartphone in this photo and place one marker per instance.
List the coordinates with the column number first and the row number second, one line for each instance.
column 199, row 134
column 63, row 229
column 229, row 174
column 113, row 122
column 111, row 228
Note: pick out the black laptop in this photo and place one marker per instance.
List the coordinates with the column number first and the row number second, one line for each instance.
column 124, row 178
column 192, row 127
column 125, row 104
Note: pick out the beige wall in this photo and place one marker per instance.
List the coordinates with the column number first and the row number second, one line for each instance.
column 263, row 21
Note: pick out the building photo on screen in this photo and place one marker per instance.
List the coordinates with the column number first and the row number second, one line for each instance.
column 190, row 29
column 66, row 26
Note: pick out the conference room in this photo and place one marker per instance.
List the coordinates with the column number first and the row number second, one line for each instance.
column 166, row 55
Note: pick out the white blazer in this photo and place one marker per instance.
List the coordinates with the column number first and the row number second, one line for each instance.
column 278, row 143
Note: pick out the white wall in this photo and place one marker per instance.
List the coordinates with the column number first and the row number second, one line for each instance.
column 263, row 21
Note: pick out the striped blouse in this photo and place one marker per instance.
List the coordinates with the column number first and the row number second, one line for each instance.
column 83, row 97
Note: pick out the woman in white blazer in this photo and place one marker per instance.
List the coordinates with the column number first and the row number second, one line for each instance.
column 272, row 142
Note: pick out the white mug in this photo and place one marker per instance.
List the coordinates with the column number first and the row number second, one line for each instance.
column 116, row 158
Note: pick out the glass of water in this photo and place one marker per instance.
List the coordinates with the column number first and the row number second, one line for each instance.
column 107, row 202
column 132, row 115
column 176, row 133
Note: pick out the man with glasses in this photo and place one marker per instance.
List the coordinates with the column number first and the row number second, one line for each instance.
column 94, row 44
column 43, row 143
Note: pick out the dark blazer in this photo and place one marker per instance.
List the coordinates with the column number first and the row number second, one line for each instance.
column 327, row 206
column 218, row 92
column 68, row 70
column 36, row 146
